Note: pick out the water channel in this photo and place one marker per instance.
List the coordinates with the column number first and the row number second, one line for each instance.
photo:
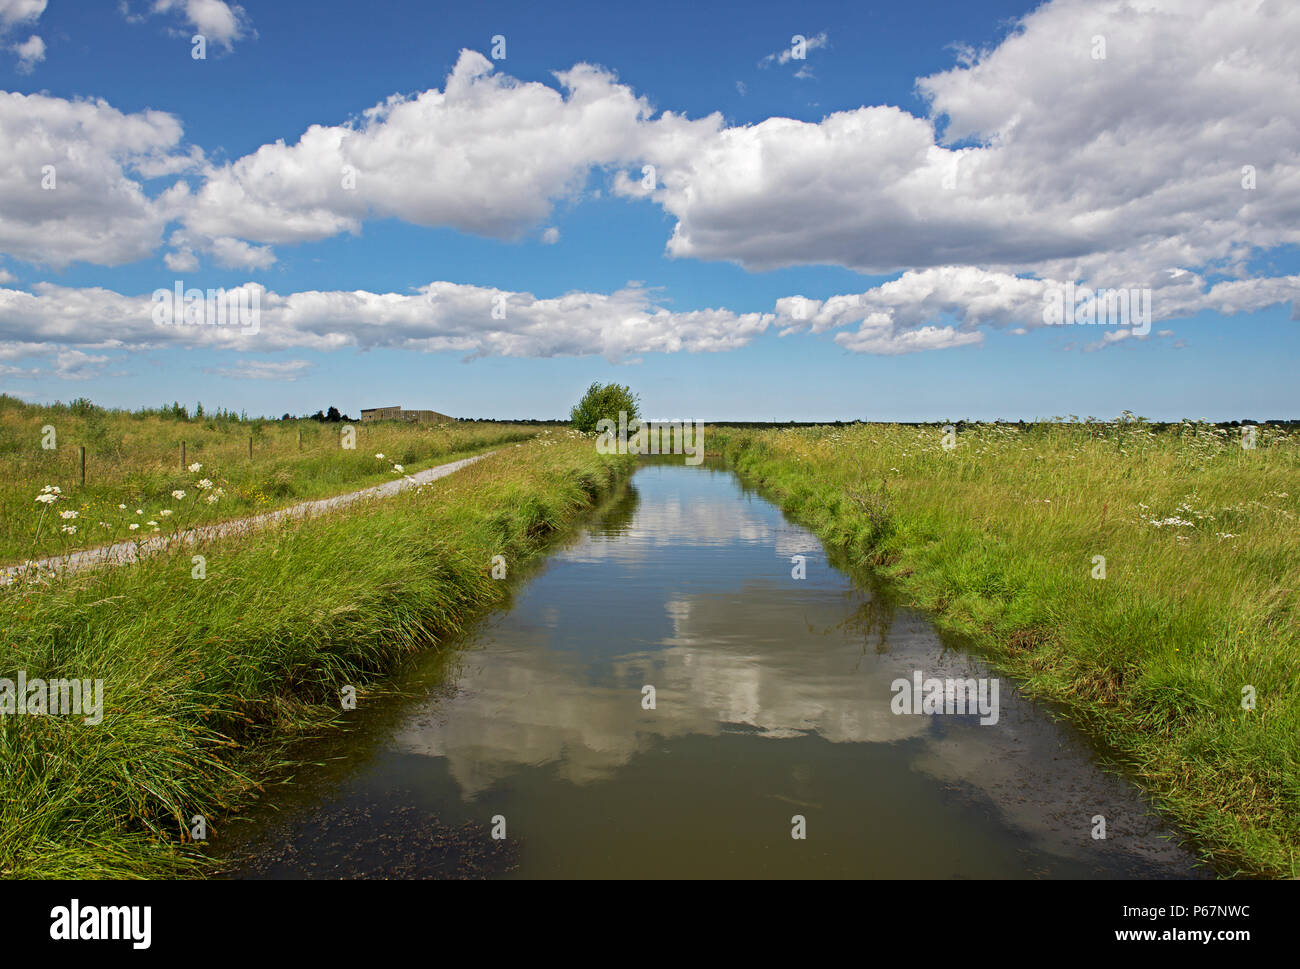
column 772, row 701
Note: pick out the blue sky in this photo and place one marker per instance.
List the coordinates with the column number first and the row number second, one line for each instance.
column 1119, row 171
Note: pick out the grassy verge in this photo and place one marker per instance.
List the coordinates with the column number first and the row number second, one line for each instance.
column 206, row 681
column 1002, row 537
column 133, row 465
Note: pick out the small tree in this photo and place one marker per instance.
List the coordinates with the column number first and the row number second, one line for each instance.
column 600, row 403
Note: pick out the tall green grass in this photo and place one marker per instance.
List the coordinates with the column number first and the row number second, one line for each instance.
column 208, row 680
column 133, row 459
column 997, row 537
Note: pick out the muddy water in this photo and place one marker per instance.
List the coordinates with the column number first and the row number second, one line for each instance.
column 772, row 700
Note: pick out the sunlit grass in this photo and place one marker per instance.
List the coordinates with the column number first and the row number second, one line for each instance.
column 133, row 464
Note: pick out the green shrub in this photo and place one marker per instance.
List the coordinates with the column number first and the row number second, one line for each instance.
column 603, row 403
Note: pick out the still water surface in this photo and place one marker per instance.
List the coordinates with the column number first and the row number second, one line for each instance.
column 772, row 700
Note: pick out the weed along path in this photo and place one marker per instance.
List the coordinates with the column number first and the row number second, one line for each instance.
column 123, row 552
column 689, row 687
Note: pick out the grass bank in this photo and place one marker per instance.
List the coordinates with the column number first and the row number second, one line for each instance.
column 134, row 471
column 207, row 680
column 1149, row 583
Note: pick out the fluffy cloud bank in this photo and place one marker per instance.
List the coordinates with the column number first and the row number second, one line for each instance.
column 1117, row 143
column 471, row 320
column 1099, row 134
column 1070, row 164
column 928, row 309
column 899, row 316
column 1110, row 142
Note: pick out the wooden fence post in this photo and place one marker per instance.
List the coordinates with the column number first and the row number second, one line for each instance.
column 182, row 455
column 250, row 447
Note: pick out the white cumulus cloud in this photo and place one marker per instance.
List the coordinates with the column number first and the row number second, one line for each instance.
column 30, row 53
column 219, row 22
column 20, row 12
column 72, row 179
column 487, row 154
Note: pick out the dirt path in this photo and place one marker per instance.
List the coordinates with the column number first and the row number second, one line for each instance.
column 123, row 552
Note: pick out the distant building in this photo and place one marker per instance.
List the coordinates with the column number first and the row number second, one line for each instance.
column 398, row 414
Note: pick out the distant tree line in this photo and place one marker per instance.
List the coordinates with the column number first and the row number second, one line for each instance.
column 537, row 422
column 176, row 411
column 330, row 415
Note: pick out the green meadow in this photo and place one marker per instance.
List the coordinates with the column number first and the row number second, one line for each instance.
column 134, row 471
